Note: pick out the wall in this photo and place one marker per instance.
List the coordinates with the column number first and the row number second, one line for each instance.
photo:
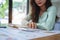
column 55, row 0
column 57, row 4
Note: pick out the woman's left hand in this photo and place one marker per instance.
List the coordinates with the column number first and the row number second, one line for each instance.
column 32, row 25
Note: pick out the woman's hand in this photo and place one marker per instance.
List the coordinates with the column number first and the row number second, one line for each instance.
column 32, row 25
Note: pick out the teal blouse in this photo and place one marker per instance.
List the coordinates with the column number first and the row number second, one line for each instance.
column 47, row 20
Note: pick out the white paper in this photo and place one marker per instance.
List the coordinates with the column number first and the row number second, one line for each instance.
column 20, row 34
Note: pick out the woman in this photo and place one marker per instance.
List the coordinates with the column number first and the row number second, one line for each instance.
column 43, row 15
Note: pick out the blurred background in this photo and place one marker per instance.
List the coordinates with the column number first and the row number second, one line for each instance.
column 20, row 8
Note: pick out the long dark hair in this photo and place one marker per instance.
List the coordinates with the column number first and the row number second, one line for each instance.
column 36, row 9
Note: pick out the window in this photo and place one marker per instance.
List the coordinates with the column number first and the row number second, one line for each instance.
column 19, row 11
column 4, row 11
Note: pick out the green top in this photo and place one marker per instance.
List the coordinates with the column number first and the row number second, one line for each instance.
column 47, row 20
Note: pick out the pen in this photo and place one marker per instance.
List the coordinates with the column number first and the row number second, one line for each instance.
column 28, row 30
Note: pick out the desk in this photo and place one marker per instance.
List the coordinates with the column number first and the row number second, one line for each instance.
column 53, row 37
column 17, row 34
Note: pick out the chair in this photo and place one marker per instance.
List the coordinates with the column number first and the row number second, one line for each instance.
column 57, row 26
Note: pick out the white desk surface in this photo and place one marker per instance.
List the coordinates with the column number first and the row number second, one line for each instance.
column 17, row 34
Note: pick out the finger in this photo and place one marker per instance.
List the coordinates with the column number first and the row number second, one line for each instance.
column 33, row 25
column 30, row 25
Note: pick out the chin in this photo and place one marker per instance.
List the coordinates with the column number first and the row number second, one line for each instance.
column 40, row 5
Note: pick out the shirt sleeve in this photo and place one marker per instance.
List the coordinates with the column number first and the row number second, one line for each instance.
column 28, row 17
column 48, row 25
column 26, row 20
